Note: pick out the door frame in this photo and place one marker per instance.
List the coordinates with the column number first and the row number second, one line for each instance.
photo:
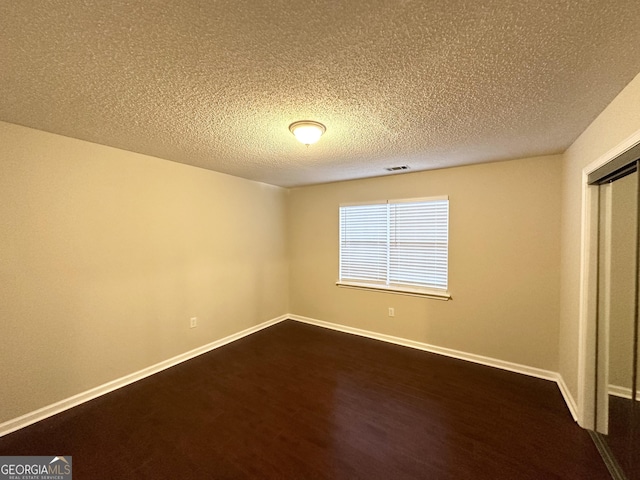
column 588, row 311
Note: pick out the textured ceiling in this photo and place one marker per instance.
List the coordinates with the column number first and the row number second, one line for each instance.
column 216, row 84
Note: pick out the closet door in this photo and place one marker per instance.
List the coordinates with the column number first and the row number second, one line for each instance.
column 633, row 472
column 617, row 315
column 618, row 413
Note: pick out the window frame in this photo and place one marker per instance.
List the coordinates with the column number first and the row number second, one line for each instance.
column 411, row 290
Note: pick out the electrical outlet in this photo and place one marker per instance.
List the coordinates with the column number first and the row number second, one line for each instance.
column 193, row 323
column 392, row 312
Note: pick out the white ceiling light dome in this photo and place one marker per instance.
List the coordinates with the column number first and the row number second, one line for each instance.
column 307, row 131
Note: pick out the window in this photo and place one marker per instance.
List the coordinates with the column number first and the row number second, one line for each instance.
column 400, row 246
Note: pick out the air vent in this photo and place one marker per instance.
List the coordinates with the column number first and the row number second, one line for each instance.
column 397, row 169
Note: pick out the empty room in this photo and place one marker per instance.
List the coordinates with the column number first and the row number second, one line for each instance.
column 319, row 240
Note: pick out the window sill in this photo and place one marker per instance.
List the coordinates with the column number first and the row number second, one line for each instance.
column 413, row 292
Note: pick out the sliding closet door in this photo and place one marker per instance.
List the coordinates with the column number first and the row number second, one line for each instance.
column 633, row 472
column 617, row 413
column 617, row 316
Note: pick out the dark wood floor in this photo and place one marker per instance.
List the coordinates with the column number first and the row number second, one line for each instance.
column 624, row 435
column 301, row 402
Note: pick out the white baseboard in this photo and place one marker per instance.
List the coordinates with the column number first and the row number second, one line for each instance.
column 491, row 362
column 622, row 392
column 58, row 407
column 568, row 398
column 488, row 361
column 62, row 405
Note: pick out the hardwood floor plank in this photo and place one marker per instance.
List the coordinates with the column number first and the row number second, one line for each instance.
column 298, row 401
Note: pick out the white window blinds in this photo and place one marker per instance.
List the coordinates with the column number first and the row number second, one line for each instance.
column 399, row 243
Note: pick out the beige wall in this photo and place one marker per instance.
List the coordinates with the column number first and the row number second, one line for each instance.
column 106, row 254
column 617, row 122
column 504, row 260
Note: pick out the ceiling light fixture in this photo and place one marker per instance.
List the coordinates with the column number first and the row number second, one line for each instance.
column 307, row 131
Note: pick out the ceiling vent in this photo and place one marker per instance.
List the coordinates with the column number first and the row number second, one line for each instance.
column 397, row 169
